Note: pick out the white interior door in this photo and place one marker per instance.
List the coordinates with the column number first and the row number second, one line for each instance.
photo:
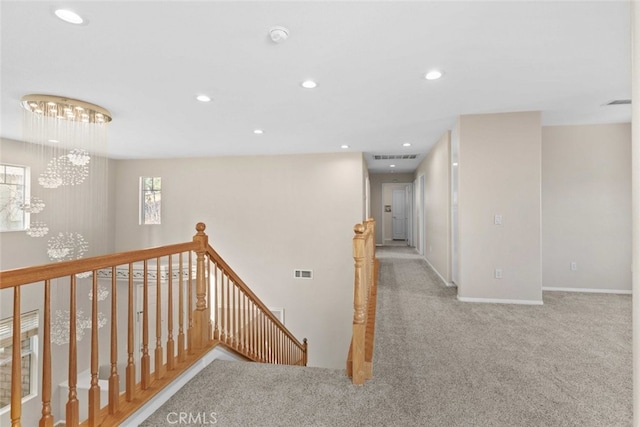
column 399, row 216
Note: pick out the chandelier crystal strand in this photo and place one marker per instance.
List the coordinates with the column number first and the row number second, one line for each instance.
column 60, row 326
column 37, row 229
column 103, row 293
column 33, row 205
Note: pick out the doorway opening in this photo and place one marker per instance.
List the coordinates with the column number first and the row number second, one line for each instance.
column 397, row 205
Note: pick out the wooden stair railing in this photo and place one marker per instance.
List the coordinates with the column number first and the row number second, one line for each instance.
column 182, row 282
column 360, row 357
column 244, row 324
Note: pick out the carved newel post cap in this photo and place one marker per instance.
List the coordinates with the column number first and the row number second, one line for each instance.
column 200, row 227
column 358, row 228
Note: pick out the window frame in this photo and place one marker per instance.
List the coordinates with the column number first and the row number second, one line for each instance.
column 154, row 191
column 29, row 326
column 26, row 195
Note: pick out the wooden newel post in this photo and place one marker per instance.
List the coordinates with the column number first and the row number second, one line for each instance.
column 306, row 352
column 200, row 321
column 359, row 306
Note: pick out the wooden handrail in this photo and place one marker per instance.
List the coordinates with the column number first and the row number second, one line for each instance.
column 26, row 275
column 217, row 259
column 360, row 356
column 239, row 321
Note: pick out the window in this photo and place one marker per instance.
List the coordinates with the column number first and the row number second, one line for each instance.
column 150, row 197
column 29, row 350
column 14, row 192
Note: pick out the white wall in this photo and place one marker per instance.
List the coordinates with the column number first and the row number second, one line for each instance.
column 266, row 215
column 499, row 173
column 586, row 207
column 366, row 190
column 437, row 216
column 635, row 187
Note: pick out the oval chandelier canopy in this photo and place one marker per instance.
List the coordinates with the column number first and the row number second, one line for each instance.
column 65, row 108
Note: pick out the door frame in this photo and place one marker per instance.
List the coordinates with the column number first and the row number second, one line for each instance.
column 409, row 205
column 421, row 217
column 409, row 209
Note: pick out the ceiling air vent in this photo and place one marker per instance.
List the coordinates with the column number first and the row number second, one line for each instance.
column 394, row 156
column 620, row 102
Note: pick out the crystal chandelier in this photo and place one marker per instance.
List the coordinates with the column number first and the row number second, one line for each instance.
column 69, row 137
column 68, row 143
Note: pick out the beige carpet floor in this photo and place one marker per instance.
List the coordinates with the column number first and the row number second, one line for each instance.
column 441, row 362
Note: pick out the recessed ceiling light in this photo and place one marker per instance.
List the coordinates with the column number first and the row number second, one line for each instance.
column 309, row 84
column 344, row 146
column 455, row 164
column 69, row 16
column 406, row 144
column 53, row 140
column 392, row 166
column 258, row 131
column 203, row 98
column 433, row 75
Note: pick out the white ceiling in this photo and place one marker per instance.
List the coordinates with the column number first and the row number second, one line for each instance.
column 145, row 62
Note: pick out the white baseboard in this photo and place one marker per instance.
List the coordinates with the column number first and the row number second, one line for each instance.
column 589, row 290
column 501, row 301
column 447, row 284
column 154, row 404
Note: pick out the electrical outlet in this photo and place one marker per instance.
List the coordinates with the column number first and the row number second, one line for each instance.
column 574, row 266
column 498, row 273
column 497, row 219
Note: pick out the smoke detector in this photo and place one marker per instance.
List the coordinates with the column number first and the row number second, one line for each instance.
column 278, row 34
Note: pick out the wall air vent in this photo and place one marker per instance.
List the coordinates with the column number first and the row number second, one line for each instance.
column 620, row 102
column 394, row 156
column 303, row 274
